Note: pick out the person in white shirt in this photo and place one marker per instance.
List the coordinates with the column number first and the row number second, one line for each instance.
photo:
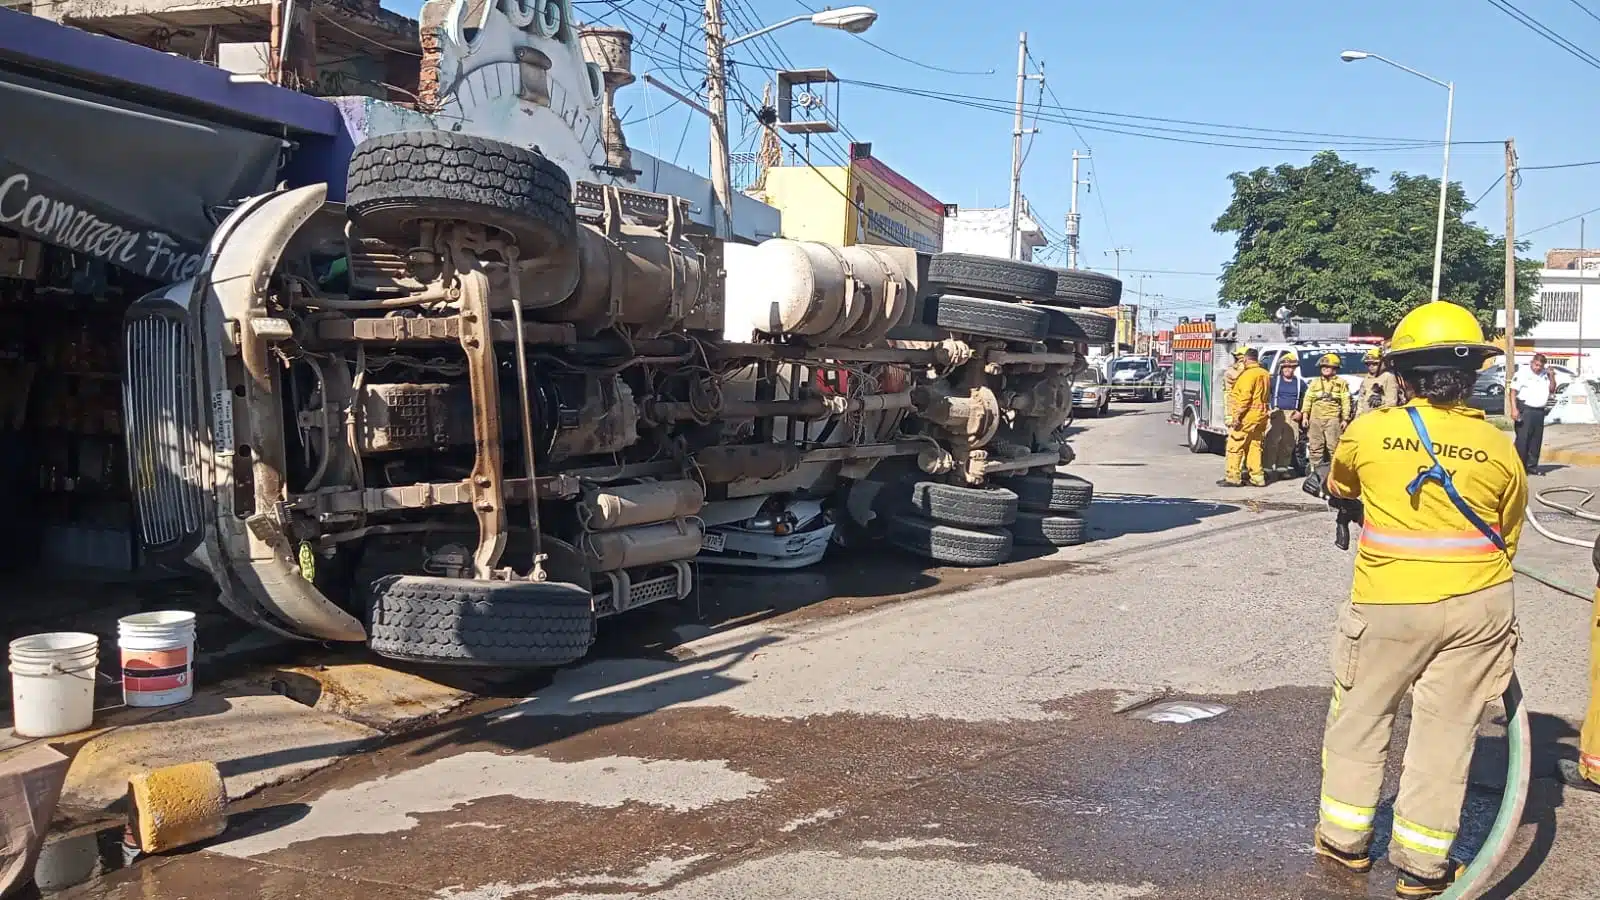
column 1531, row 390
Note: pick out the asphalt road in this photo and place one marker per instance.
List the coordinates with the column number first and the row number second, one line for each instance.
column 874, row 729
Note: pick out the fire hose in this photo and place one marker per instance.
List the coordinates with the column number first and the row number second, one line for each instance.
column 1519, row 745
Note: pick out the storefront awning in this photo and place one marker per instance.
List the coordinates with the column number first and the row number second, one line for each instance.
column 130, row 185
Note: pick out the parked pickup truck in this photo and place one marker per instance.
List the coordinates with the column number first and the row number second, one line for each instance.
column 1137, row 378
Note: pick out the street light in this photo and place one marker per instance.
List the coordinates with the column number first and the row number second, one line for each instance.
column 852, row 19
column 1444, row 175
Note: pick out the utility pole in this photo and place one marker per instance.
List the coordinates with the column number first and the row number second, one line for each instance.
column 1138, row 290
column 1016, row 146
column 1118, row 251
column 1511, row 261
column 717, row 101
column 1072, row 216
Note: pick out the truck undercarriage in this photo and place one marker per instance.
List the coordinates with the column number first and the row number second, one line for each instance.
column 479, row 407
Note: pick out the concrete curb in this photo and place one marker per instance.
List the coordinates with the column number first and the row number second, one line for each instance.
column 270, row 726
column 1587, row 458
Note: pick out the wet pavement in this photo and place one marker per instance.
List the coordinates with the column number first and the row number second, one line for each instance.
column 870, row 728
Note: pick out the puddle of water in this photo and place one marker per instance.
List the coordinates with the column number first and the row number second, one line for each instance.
column 1178, row 712
column 73, row 860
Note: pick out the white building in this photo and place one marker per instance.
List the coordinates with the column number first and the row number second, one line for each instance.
column 1568, row 333
column 988, row 232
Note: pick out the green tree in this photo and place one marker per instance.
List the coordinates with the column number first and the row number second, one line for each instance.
column 1322, row 240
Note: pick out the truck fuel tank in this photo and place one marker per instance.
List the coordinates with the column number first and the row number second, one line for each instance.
column 839, row 295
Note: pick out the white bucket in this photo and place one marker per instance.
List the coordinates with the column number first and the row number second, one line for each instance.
column 157, row 657
column 52, row 683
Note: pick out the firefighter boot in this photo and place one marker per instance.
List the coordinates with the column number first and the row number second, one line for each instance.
column 1415, row 887
column 1359, row 863
column 1572, row 776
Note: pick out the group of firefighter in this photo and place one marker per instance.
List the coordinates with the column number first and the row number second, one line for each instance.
column 1267, row 413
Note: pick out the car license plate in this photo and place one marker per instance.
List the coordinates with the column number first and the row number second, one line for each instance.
column 713, row 542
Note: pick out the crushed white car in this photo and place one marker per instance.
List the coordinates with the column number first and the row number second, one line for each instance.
column 774, row 532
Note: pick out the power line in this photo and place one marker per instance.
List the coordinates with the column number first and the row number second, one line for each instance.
column 1172, row 135
column 1036, row 107
column 1572, row 165
column 1586, row 10
column 906, row 59
column 1491, row 187
column 1083, row 140
column 1099, row 199
column 1171, row 272
column 1108, row 117
column 1539, row 28
column 918, row 63
column 738, row 95
column 1587, row 212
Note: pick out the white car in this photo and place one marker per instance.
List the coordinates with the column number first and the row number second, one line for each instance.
column 1492, row 380
column 1090, row 394
column 774, row 532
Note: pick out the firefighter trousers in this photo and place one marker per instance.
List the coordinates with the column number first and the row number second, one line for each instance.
column 1243, row 452
column 1322, row 438
column 1283, row 434
column 1589, row 740
column 1456, row 657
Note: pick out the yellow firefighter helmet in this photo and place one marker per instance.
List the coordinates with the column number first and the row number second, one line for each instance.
column 1441, row 333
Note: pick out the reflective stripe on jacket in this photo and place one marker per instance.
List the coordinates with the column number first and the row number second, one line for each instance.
column 1467, row 544
column 1422, row 549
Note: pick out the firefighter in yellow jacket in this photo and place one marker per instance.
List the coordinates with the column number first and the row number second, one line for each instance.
column 1325, row 410
column 1431, row 608
column 1247, row 424
column 1585, row 773
column 1229, row 376
column 1379, row 389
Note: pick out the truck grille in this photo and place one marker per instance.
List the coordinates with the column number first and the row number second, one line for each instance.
column 159, row 397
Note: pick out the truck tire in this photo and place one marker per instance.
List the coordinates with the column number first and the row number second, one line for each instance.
column 1075, row 287
column 456, row 621
column 985, row 507
column 1051, row 493
column 1043, row 530
column 968, row 547
column 988, row 318
column 991, row 276
column 396, row 180
column 1073, row 325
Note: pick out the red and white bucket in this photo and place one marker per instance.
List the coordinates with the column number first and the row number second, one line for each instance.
column 157, row 657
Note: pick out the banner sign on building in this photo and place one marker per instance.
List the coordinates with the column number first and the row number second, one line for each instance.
column 889, row 209
column 125, row 184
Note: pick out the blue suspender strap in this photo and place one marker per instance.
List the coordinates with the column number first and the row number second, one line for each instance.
column 1438, row 473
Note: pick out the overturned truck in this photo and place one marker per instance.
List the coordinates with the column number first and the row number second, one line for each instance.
column 486, row 402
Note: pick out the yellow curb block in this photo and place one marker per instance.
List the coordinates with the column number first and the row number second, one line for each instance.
column 176, row 806
column 1571, row 457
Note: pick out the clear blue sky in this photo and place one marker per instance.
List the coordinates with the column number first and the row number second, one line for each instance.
column 1243, row 62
